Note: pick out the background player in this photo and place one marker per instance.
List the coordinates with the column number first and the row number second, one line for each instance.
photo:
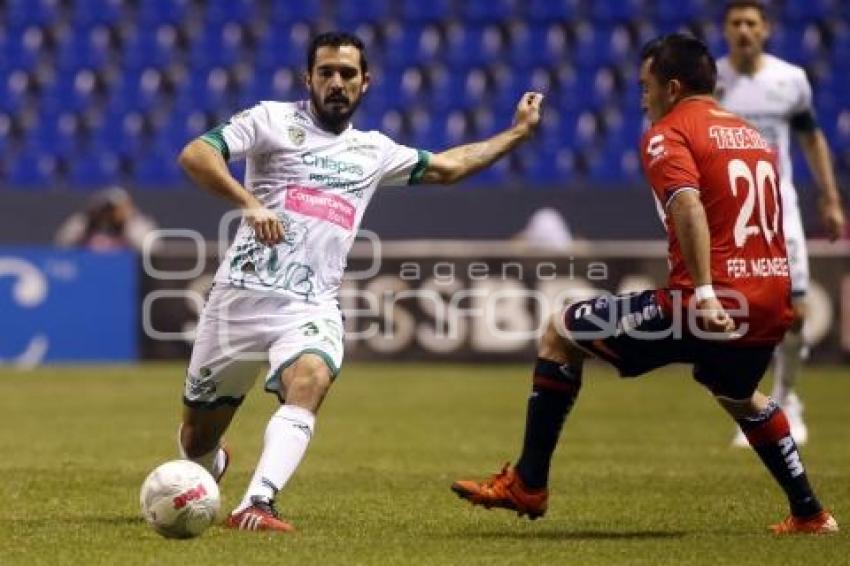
column 775, row 96
column 728, row 272
column 310, row 176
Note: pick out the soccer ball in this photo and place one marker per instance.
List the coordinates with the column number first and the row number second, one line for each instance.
column 180, row 499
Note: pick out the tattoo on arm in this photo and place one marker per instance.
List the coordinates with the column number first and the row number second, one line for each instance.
column 458, row 162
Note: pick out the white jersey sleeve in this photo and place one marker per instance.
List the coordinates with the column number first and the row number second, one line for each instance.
column 245, row 134
column 401, row 165
column 803, row 104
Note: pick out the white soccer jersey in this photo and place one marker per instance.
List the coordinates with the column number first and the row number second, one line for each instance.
column 319, row 184
column 769, row 99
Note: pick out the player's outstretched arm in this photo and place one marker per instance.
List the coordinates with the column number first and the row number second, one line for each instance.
column 458, row 162
column 816, row 150
column 691, row 224
column 206, row 167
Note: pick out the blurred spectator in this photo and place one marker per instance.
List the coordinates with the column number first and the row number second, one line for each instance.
column 546, row 229
column 111, row 221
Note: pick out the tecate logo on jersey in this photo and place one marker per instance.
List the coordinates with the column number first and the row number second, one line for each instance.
column 737, row 138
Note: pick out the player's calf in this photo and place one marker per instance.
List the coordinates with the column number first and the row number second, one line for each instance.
column 556, row 381
column 204, row 449
column 554, row 389
column 768, row 432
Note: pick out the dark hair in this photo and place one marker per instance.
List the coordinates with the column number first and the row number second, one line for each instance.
column 741, row 4
column 684, row 58
column 336, row 39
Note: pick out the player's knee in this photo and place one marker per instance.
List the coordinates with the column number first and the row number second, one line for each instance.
column 746, row 407
column 555, row 344
column 308, row 378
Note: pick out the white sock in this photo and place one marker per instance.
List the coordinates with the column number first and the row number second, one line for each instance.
column 213, row 461
column 789, row 354
column 287, row 436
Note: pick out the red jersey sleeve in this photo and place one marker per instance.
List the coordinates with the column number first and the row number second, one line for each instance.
column 668, row 162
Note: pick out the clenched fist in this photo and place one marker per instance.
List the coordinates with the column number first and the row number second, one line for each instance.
column 527, row 115
column 266, row 224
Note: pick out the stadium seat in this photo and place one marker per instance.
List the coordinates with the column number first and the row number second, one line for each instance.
column 418, row 11
column 20, row 13
column 292, row 12
column 157, row 170
column 7, row 125
column 88, row 13
column 486, row 11
column 94, row 169
column 155, row 12
column 142, row 77
column 623, row 11
column 236, row 11
column 36, row 170
column 552, row 10
column 350, row 14
column 673, row 13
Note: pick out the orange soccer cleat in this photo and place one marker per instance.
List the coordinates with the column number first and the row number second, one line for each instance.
column 504, row 490
column 260, row 516
column 822, row 523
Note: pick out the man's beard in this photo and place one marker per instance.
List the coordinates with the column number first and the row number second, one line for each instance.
column 333, row 120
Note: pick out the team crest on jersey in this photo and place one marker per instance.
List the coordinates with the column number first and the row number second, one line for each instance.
column 297, row 135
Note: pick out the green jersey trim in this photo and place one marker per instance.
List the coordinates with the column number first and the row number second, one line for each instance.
column 421, row 166
column 215, row 138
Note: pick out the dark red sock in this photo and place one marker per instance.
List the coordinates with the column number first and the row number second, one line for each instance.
column 553, row 392
column 770, row 436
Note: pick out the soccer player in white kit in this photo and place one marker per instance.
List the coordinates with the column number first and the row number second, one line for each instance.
column 273, row 306
column 776, row 97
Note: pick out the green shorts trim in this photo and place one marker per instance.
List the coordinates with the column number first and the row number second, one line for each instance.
column 274, row 377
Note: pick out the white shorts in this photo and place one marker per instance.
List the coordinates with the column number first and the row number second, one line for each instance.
column 795, row 242
column 241, row 332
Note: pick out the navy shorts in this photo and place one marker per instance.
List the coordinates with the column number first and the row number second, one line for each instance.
column 631, row 332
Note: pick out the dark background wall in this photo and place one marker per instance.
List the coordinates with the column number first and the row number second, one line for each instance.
column 592, row 212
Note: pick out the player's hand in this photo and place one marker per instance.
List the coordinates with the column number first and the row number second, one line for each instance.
column 527, row 115
column 266, row 224
column 833, row 219
column 713, row 317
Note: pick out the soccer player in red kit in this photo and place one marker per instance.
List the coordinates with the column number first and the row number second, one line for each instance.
column 727, row 302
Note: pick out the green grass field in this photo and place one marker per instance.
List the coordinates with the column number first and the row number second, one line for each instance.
column 643, row 475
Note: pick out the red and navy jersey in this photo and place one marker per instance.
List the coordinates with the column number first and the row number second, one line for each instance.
column 698, row 146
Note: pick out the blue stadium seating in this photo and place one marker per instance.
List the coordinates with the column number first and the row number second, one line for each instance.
column 101, row 91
